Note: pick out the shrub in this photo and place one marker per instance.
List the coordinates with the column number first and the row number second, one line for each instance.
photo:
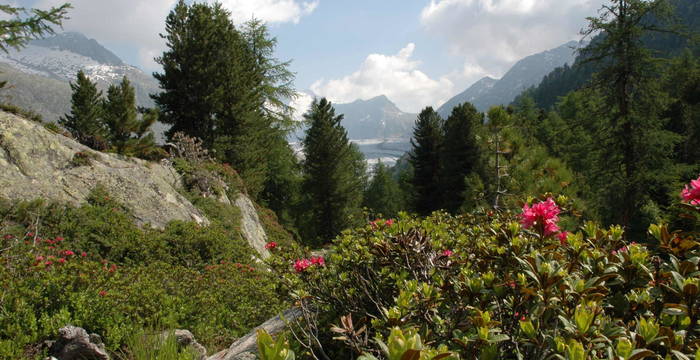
column 500, row 286
column 91, row 266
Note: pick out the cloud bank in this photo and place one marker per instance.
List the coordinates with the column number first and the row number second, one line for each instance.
column 137, row 23
column 493, row 34
column 396, row 76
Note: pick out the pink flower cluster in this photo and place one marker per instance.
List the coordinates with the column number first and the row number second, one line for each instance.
column 271, row 245
column 543, row 215
column 303, row 264
column 375, row 224
column 692, row 194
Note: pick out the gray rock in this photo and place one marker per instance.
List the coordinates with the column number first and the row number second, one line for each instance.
column 37, row 163
column 74, row 343
column 245, row 347
column 185, row 338
column 251, row 227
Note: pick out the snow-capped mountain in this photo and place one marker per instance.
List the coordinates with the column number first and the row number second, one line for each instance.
column 42, row 70
column 524, row 74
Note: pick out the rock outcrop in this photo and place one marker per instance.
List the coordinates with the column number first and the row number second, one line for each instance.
column 74, row 343
column 37, row 163
column 251, row 228
column 185, row 338
column 245, row 347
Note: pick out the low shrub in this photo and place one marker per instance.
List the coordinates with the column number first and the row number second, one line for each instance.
column 91, row 266
column 501, row 286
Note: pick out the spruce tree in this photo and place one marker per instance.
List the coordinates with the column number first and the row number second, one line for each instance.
column 85, row 121
column 425, row 160
column 383, row 195
column 129, row 128
column 461, row 154
column 121, row 116
column 333, row 176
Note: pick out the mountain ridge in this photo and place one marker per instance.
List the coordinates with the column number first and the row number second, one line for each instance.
column 527, row 72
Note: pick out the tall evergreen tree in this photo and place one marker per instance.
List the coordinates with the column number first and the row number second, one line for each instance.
column 85, row 120
column 201, row 70
column 383, row 195
column 333, row 176
column 461, row 154
column 637, row 149
column 425, row 160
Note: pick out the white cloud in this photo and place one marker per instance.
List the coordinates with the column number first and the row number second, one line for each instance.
column 128, row 23
column 301, row 105
column 138, row 23
column 396, row 76
column 493, row 34
column 270, row 11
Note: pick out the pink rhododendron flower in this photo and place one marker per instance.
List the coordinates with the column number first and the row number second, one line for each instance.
column 562, row 237
column 59, row 239
column 8, row 237
column 301, row 265
column 691, row 194
column 48, row 263
column 102, row 293
column 83, row 254
column 68, row 253
column 62, row 260
column 271, row 245
column 318, row 260
column 39, row 258
column 544, row 215
column 389, row 222
column 447, row 252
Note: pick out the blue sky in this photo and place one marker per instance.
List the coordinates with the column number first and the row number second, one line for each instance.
column 417, row 52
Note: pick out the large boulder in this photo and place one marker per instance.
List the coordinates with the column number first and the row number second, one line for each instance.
column 74, row 343
column 38, row 163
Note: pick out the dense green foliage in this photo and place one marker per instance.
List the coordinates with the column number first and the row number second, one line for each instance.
column 84, row 121
column 461, row 155
column 485, row 286
column 91, row 266
column 383, row 195
column 222, row 84
column 113, row 123
column 425, row 161
column 334, row 176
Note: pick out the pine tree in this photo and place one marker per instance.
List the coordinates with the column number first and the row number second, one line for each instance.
column 201, row 70
column 425, row 160
column 383, row 195
column 334, row 176
column 85, row 121
column 461, row 154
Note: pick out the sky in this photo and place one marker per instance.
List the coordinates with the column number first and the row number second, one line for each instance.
column 416, row 52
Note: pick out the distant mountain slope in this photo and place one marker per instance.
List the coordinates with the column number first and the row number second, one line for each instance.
column 376, row 118
column 38, row 75
column 525, row 73
column 565, row 79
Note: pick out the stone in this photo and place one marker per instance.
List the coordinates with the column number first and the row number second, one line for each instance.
column 246, row 346
column 251, row 228
column 185, row 338
column 38, row 163
column 74, row 343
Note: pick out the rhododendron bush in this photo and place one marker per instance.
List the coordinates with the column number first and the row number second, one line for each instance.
column 92, row 267
column 524, row 285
